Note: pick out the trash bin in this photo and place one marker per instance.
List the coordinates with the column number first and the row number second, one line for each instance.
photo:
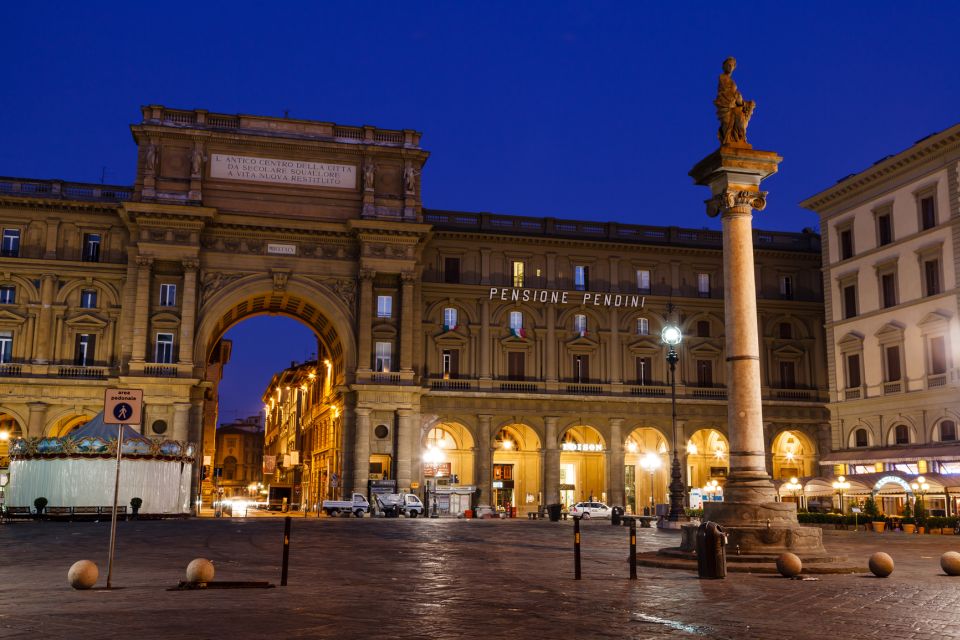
column 468, row 513
column 554, row 511
column 711, row 555
column 615, row 515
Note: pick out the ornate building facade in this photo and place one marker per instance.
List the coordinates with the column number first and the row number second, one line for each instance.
column 521, row 355
column 238, row 464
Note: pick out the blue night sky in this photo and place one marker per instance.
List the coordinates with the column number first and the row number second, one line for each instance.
column 591, row 110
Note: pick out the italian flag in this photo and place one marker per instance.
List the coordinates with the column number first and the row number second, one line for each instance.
column 447, row 327
column 518, row 333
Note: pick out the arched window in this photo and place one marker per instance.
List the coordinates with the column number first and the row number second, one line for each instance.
column 440, row 438
column 507, row 441
column 580, row 324
column 229, row 468
column 860, row 438
column 786, row 331
column 902, row 434
column 948, row 431
column 703, row 328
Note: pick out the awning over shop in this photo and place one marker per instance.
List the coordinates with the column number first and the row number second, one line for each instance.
column 886, row 482
column 941, row 453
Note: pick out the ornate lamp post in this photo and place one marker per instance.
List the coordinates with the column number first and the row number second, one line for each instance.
column 650, row 463
column 920, row 488
column 671, row 336
column 841, row 485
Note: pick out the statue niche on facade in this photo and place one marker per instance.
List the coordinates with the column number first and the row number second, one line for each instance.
column 733, row 111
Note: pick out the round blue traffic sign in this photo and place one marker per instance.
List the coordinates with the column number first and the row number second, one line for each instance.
column 122, row 411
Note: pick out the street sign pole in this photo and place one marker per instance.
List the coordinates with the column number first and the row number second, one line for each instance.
column 120, row 407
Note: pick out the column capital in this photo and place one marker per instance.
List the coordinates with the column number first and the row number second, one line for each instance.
column 190, row 264
column 736, row 202
column 362, row 412
column 616, row 422
column 405, row 413
column 408, row 277
column 37, row 406
column 367, row 275
column 144, row 261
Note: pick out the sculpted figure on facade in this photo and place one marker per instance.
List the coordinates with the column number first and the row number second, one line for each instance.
column 733, row 111
column 151, row 159
column 410, row 178
column 196, row 162
column 369, row 175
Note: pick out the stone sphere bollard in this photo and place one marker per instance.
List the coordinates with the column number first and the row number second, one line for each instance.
column 950, row 563
column 83, row 574
column 789, row 565
column 200, row 570
column 881, row 564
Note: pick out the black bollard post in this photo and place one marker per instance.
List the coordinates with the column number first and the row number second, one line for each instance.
column 286, row 551
column 633, row 549
column 576, row 548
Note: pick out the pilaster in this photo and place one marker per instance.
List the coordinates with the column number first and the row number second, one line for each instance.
column 364, row 326
column 142, row 309
column 188, row 310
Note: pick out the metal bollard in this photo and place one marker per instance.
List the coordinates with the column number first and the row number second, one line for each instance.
column 576, row 548
column 633, row 549
column 286, row 551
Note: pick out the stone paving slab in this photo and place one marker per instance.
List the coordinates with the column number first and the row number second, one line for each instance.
column 424, row 578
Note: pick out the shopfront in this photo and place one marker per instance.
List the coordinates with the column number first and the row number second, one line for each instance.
column 582, row 466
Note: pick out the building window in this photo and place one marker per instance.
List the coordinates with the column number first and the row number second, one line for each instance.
column 84, row 350
column 384, row 306
column 11, row 243
column 8, row 294
column 888, row 288
column 786, row 331
column 703, row 328
column 901, row 434
column 846, row 244
column 516, row 365
column 449, row 318
column 645, row 371
column 516, row 324
column 928, row 213
column 581, row 277
column 643, row 280
column 450, row 363
column 850, row 301
column 168, row 295
column 6, row 347
column 383, row 353
column 643, row 327
column 948, row 431
column 88, row 299
column 788, row 374
column 786, row 287
column 703, row 285
column 853, row 371
column 581, row 368
column 580, row 324
column 938, row 355
column 517, row 273
column 891, row 357
column 860, row 438
column 884, row 229
column 704, row 373
column 164, row 348
column 931, row 277
column 451, row 270
column 229, row 468
column 91, row 247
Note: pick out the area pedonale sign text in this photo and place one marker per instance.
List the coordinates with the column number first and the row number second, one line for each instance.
column 547, row 296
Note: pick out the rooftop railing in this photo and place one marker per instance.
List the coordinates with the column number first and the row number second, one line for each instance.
column 65, row 190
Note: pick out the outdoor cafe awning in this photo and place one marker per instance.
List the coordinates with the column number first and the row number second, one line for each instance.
column 941, row 453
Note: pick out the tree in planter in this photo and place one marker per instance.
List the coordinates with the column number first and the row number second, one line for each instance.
column 40, row 504
column 870, row 508
column 135, row 504
column 920, row 514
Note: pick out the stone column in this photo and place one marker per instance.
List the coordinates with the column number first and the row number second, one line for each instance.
column 756, row 522
column 551, row 489
column 616, row 479
column 142, row 309
column 484, row 266
column 614, row 274
column 485, row 339
column 36, row 419
column 364, row 326
column 484, row 463
column 188, row 312
column 44, row 331
column 361, row 450
column 406, row 322
column 181, row 422
column 551, row 372
column 616, row 370
column 405, row 437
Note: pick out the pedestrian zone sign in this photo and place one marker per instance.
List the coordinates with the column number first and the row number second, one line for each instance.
column 123, row 406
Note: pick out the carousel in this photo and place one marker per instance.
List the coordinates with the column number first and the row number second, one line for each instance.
column 79, row 469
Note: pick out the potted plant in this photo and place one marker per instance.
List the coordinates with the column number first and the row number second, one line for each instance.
column 872, row 512
column 909, row 524
column 40, row 504
column 135, row 504
column 920, row 515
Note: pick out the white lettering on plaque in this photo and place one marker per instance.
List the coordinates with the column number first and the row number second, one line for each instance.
column 293, row 172
column 282, row 249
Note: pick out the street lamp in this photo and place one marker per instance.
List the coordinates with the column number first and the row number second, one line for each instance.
column 841, row 485
column 794, row 487
column 650, row 463
column 671, row 336
column 711, row 489
column 433, row 457
column 920, row 488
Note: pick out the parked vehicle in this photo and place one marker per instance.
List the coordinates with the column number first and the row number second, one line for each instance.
column 589, row 510
column 357, row 506
column 396, row 504
column 279, row 497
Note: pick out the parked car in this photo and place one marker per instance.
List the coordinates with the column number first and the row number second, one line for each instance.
column 358, row 506
column 396, row 504
column 589, row 510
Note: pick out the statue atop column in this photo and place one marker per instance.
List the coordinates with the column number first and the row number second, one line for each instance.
column 733, row 111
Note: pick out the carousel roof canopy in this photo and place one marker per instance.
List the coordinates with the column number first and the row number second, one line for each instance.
column 97, row 429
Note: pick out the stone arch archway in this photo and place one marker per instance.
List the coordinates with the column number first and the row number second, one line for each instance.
column 794, row 454
column 646, row 467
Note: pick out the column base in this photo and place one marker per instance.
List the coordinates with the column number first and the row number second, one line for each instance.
column 759, row 529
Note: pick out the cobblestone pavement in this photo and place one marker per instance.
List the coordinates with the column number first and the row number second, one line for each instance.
column 422, row 578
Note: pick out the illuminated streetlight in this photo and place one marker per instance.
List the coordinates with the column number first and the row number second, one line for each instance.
column 841, row 485
column 671, row 336
column 650, row 463
column 794, row 486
